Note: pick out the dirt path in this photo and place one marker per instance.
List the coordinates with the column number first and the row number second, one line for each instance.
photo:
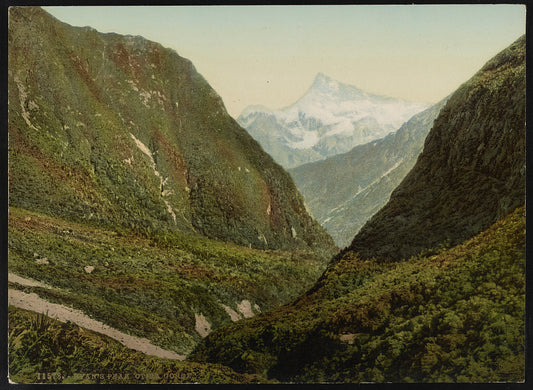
column 26, row 282
column 63, row 313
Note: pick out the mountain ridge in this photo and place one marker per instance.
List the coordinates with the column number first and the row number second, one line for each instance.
column 465, row 149
column 132, row 136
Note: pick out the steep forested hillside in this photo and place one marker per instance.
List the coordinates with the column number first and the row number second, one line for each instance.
column 470, row 173
column 118, row 131
column 457, row 315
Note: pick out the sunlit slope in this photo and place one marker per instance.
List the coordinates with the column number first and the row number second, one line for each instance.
column 120, row 132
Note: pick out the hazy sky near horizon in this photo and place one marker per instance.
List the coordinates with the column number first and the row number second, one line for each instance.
column 270, row 55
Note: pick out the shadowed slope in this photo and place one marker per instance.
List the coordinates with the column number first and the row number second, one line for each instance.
column 470, row 173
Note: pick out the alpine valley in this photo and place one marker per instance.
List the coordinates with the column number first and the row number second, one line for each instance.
column 151, row 239
column 432, row 289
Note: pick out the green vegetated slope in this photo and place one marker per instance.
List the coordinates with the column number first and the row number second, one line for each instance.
column 44, row 350
column 168, row 289
column 135, row 197
column 344, row 191
column 439, row 314
column 470, row 173
column 457, row 315
column 120, row 132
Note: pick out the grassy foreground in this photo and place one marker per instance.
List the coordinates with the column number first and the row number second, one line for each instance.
column 154, row 288
column 43, row 350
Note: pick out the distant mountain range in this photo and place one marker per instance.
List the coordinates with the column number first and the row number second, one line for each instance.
column 342, row 192
column 331, row 118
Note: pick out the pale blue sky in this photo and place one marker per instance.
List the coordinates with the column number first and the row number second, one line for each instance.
column 270, row 54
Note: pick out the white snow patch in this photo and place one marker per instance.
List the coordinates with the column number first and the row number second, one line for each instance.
column 145, row 95
column 342, row 127
column 133, row 85
column 42, row 261
column 306, row 140
column 327, row 219
column 232, row 313
column 170, row 210
column 202, row 326
column 32, row 105
column 244, row 310
column 23, row 95
column 245, row 307
column 262, row 238
column 360, row 190
column 143, row 148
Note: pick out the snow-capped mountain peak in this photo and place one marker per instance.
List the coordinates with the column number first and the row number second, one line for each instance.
column 323, row 82
column 330, row 118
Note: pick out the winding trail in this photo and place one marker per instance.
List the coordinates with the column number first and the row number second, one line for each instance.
column 26, row 282
column 63, row 313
